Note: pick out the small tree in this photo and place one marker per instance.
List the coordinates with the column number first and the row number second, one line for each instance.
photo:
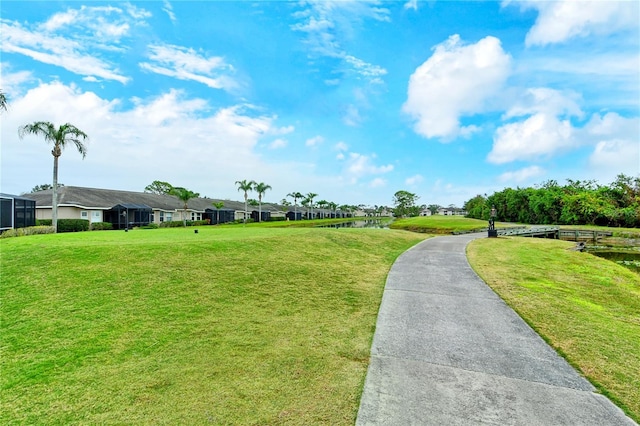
column 159, row 187
column 296, row 196
column 405, row 204
column 246, row 186
column 184, row 195
column 260, row 188
column 309, row 199
column 44, row 187
column 218, row 205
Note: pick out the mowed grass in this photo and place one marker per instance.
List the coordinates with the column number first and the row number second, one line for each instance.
column 439, row 224
column 228, row 326
column 586, row 307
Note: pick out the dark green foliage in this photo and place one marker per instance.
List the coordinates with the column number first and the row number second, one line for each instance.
column 101, row 226
column 73, row 225
column 405, row 204
column 44, row 222
column 178, row 223
column 150, row 226
column 576, row 203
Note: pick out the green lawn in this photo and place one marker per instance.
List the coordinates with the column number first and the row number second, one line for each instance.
column 233, row 325
column 439, row 224
column 586, row 307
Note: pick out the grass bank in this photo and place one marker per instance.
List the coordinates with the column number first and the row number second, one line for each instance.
column 439, row 224
column 586, row 307
column 235, row 325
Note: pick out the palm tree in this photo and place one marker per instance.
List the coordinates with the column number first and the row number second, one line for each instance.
column 260, row 188
column 296, row 196
column 323, row 205
column 218, row 205
column 3, row 101
column 333, row 207
column 246, row 186
column 309, row 198
column 60, row 137
column 183, row 195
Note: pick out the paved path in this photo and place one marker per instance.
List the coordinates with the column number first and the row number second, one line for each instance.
column 448, row 351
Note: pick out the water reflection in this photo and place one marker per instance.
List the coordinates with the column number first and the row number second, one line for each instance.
column 361, row 223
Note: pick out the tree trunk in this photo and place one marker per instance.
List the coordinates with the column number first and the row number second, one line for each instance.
column 54, row 198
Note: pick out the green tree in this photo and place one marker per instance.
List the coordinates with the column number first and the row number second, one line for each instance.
column 246, row 186
column 184, row 195
column 3, row 101
column 309, row 199
column 296, row 196
column 405, row 204
column 218, row 205
column 60, row 137
column 159, row 187
column 260, row 188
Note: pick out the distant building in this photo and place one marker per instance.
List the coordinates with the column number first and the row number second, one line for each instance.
column 16, row 212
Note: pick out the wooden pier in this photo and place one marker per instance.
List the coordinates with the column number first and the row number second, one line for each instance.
column 555, row 232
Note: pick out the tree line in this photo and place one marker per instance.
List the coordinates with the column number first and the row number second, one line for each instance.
column 575, row 203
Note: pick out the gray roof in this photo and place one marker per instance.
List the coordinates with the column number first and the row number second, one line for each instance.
column 104, row 199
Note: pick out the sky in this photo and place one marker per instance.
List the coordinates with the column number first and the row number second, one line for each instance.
column 351, row 100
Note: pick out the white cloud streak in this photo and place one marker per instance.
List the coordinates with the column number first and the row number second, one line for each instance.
column 522, row 175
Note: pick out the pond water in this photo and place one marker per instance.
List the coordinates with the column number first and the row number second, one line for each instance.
column 630, row 260
column 361, row 223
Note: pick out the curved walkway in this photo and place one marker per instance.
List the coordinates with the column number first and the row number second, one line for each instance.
column 448, row 351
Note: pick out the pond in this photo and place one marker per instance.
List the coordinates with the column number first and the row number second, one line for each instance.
column 361, row 223
column 628, row 259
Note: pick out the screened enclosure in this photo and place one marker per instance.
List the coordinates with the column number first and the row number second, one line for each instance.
column 128, row 215
column 16, row 212
column 216, row 216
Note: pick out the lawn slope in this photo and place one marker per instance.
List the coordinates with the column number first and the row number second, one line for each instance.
column 586, row 307
column 228, row 326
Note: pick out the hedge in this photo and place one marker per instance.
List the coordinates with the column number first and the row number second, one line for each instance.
column 101, row 226
column 30, row 230
column 73, row 225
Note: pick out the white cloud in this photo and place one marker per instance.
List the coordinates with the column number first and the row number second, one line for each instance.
column 326, row 23
column 282, row 130
column 359, row 165
column 540, row 135
column 314, row 141
column 187, row 64
column 377, row 183
column 168, row 9
column 340, row 156
column 411, row 4
column 277, row 144
column 341, row 146
column 547, row 101
column 522, row 175
column 455, row 81
column 621, row 156
column 352, row 116
column 414, row 180
column 559, row 21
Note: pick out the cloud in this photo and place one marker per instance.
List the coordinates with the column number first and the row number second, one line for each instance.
column 327, row 23
column 359, row 165
column 277, row 144
column 544, row 100
column 168, row 9
column 377, row 183
column 352, row 116
column 341, row 146
column 522, row 175
column 187, row 64
column 411, row 4
column 455, row 81
column 414, row 180
column 559, row 21
column 78, row 40
column 540, row 135
column 314, row 141
column 616, row 142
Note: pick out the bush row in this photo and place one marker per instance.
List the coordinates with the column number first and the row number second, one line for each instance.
column 31, row 230
column 180, row 223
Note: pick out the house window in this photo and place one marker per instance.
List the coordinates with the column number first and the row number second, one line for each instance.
column 153, row 217
column 84, row 215
column 161, row 216
column 196, row 216
column 96, row 216
column 168, row 217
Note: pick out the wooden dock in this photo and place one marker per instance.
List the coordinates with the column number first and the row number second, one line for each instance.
column 555, row 232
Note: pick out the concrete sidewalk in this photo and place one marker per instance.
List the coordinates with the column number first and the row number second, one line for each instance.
column 448, row 351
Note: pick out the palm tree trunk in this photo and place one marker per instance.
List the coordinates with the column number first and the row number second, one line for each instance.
column 245, row 207
column 259, row 208
column 54, row 197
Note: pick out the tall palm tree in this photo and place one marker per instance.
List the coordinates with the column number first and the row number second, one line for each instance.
column 3, row 101
column 183, row 195
column 333, row 207
column 218, row 205
column 309, row 198
column 296, row 196
column 59, row 137
column 260, row 188
column 323, row 205
column 246, row 186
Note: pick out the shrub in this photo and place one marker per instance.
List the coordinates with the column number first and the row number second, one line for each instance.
column 101, row 226
column 150, row 226
column 31, row 230
column 180, row 223
column 44, row 222
column 73, row 225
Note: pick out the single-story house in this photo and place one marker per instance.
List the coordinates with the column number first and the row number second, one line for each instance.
column 452, row 211
column 16, row 212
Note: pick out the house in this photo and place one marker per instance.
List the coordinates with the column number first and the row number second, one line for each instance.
column 452, row 211
column 16, row 212
column 125, row 209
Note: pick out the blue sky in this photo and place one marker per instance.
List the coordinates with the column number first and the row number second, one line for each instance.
column 351, row 100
